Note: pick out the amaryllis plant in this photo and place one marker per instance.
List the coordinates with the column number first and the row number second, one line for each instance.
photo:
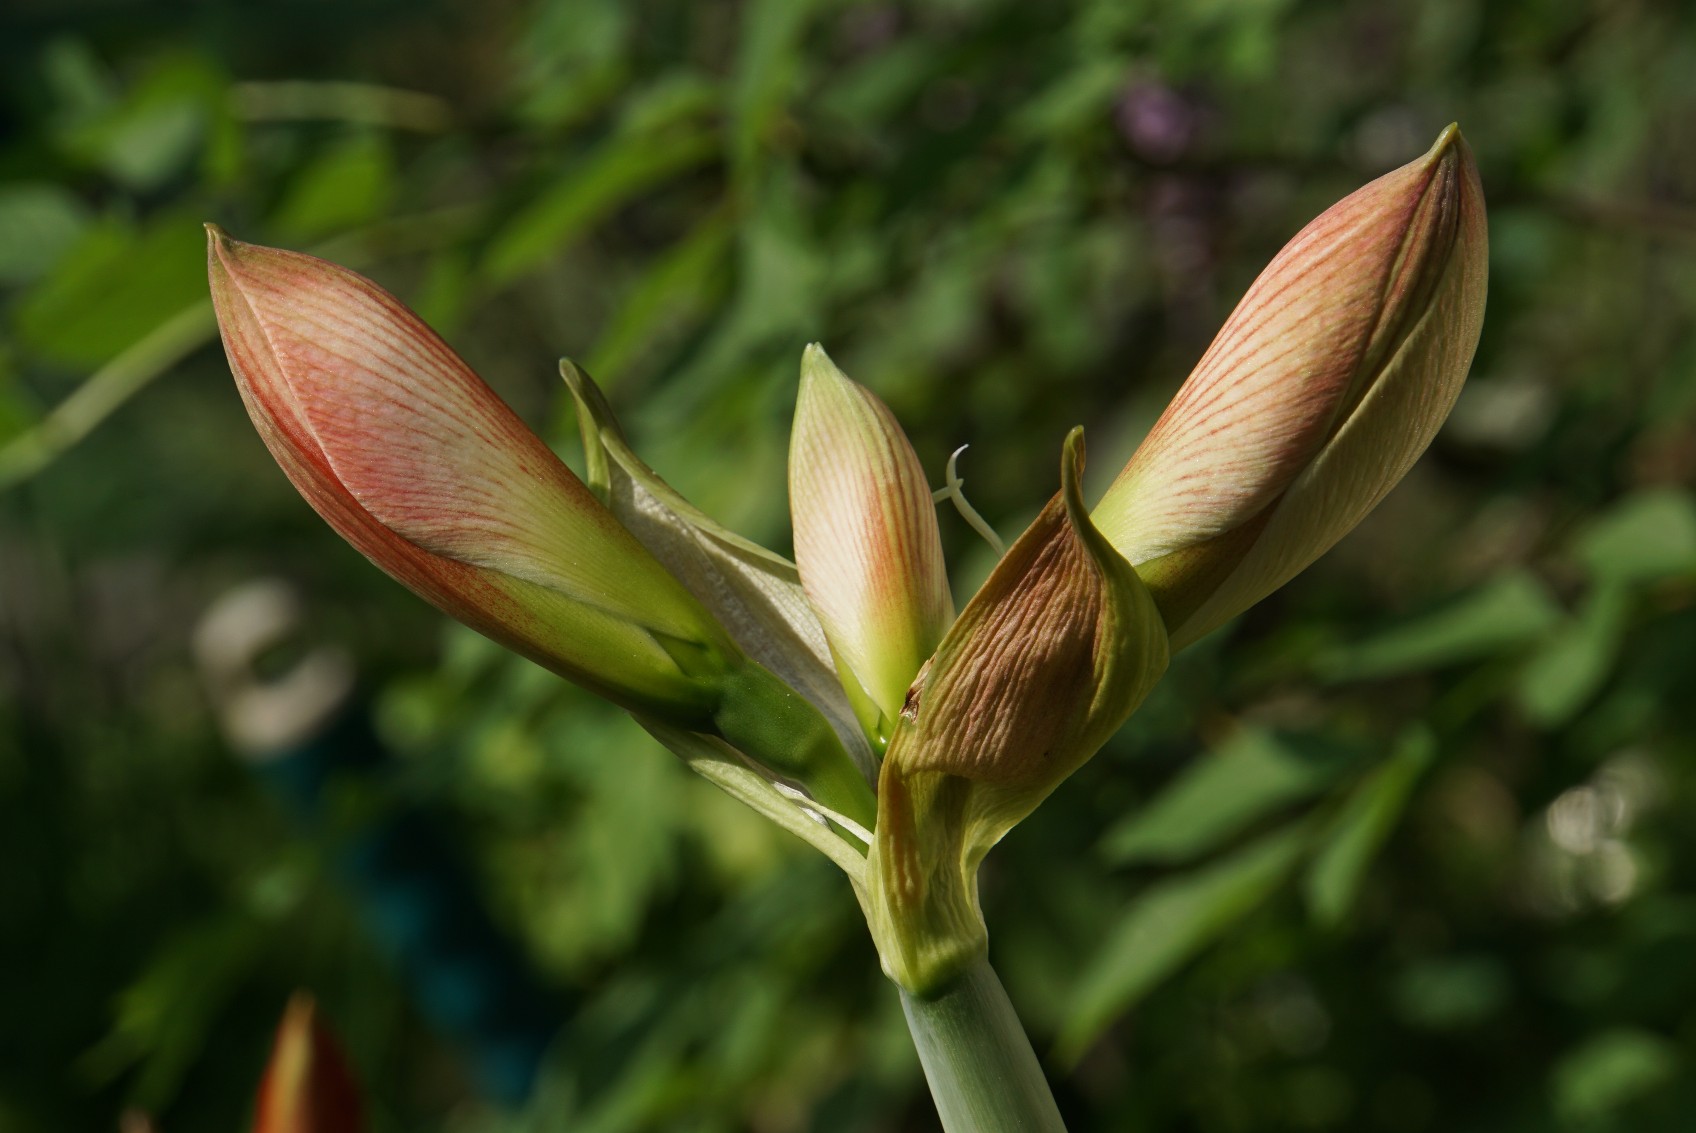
column 841, row 695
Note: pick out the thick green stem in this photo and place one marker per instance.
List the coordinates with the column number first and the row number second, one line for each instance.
column 979, row 1063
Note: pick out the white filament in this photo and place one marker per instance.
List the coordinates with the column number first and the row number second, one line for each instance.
column 953, row 493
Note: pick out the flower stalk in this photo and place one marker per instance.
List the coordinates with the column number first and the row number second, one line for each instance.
column 1054, row 652
column 978, row 1062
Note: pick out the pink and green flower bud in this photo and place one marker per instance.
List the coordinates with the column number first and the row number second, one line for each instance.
column 866, row 540
column 1048, row 659
column 1324, row 386
column 413, row 459
column 416, row 462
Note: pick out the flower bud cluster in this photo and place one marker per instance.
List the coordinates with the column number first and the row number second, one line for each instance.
column 1325, row 384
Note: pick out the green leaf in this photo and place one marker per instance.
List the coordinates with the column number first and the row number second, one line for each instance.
column 115, row 286
column 446, row 291
column 768, row 67
column 570, row 59
column 81, row 86
column 1360, row 829
column 780, row 276
column 679, row 283
column 163, row 1018
column 1647, row 536
column 875, row 89
column 38, row 224
column 156, row 130
column 1251, row 775
column 1452, row 993
column 1504, row 615
column 670, row 101
column 351, row 183
column 1079, row 99
column 15, row 415
column 621, row 170
column 1169, row 925
column 17, row 410
column 1561, row 678
column 1611, row 1070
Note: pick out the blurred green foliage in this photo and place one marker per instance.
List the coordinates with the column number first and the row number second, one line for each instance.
column 1408, row 848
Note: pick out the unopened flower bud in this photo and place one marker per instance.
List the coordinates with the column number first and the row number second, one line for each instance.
column 307, row 1087
column 866, row 540
column 416, row 462
column 1322, row 389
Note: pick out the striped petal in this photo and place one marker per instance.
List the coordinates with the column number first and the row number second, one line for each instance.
column 416, row 462
column 1325, row 384
column 866, row 539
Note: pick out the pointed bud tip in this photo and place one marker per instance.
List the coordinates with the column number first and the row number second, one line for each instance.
column 816, row 364
column 573, row 374
column 218, row 240
column 308, row 1085
column 1450, row 149
column 1072, row 465
column 1447, row 140
column 225, row 253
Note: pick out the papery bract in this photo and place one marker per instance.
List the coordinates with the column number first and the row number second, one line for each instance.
column 1324, row 386
column 1047, row 660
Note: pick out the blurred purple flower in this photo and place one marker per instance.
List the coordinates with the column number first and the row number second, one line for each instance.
column 1157, row 122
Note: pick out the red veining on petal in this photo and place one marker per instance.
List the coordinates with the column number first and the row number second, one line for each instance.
column 411, row 433
column 1288, row 366
column 866, row 540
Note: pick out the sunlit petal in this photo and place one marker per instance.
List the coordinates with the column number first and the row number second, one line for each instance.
column 866, row 538
column 1326, row 383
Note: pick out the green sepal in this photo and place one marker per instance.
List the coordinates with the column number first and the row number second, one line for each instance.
column 755, row 594
column 779, row 729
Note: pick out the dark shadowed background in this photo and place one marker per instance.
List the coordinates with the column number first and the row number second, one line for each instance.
column 1409, row 847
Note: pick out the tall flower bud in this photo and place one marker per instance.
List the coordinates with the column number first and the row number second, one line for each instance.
column 1048, row 659
column 416, row 462
column 1325, row 385
column 307, row 1087
column 866, row 540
